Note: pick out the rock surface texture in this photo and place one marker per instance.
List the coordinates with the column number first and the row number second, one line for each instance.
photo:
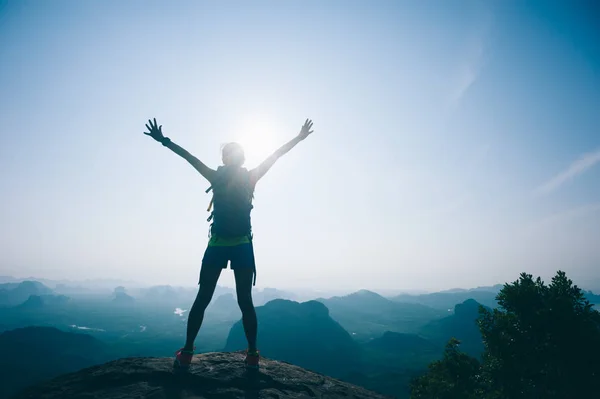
column 211, row 376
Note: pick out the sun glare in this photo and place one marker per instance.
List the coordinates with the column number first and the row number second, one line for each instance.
column 259, row 137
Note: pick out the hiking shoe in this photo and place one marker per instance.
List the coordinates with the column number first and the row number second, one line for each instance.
column 183, row 359
column 252, row 359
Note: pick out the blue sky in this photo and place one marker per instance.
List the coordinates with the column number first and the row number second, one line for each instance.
column 457, row 143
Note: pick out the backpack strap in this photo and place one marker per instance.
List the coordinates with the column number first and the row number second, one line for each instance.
column 210, row 205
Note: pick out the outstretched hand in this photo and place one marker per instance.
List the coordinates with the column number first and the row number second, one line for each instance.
column 305, row 131
column 155, row 131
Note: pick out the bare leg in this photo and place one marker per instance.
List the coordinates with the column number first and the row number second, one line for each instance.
column 243, row 287
column 209, row 276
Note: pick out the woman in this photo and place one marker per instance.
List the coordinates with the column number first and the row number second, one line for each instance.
column 231, row 234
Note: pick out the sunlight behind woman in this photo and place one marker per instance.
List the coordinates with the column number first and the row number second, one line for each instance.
column 259, row 136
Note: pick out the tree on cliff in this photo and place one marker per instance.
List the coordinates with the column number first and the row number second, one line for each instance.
column 542, row 341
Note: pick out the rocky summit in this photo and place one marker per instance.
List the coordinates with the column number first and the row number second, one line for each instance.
column 212, row 375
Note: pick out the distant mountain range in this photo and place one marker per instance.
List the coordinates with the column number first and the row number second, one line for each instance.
column 493, row 288
column 445, row 300
column 484, row 295
column 88, row 283
column 363, row 337
column 13, row 294
column 305, row 334
column 368, row 315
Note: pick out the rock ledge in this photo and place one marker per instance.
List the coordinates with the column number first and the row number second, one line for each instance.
column 211, row 376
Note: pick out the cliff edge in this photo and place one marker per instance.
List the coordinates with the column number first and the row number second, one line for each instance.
column 212, row 375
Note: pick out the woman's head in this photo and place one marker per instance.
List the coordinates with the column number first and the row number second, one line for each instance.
column 233, row 154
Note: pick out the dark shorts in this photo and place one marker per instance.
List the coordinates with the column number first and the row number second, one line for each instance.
column 241, row 256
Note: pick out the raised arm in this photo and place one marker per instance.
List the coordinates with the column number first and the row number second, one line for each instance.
column 156, row 133
column 264, row 167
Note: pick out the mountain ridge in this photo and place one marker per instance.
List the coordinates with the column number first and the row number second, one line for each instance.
column 302, row 333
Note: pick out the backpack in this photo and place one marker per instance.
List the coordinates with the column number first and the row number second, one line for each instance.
column 231, row 203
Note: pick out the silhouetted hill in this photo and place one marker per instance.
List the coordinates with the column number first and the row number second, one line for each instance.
column 226, row 307
column 448, row 299
column 461, row 325
column 8, row 279
column 170, row 296
column 212, row 375
column 390, row 361
column 161, row 293
column 591, row 297
column 303, row 334
column 492, row 288
column 13, row 294
column 392, row 343
column 9, row 286
column 368, row 315
column 122, row 298
column 41, row 301
column 33, row 354
column 72, row 290
column 268, row 294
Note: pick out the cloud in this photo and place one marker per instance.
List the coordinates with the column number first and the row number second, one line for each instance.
column 585, row 162
column 571, row 214
column 473, row 59
column 468, row 71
